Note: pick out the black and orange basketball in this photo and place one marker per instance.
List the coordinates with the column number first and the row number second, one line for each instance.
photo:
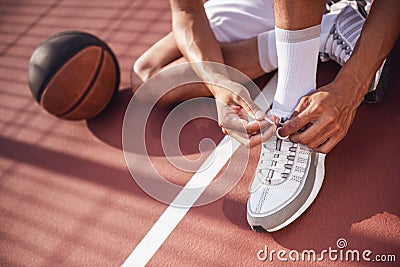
column 73, row 75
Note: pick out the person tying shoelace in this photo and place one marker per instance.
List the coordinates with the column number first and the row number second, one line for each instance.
column 256, row 37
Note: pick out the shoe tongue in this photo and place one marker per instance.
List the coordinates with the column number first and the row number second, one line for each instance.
column 275, row 177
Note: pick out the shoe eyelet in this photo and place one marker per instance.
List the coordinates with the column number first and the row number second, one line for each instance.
column 279, row 136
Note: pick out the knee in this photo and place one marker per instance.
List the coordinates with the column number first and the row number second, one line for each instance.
column 144, row 68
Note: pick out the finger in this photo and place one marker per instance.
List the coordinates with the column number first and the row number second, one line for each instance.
column 262, row 137
column 251, row 108
column 328, row 145
column 302, row 106
column 334, row 139
column 299, row 118
column 325, row 135
column 296, row 123
column 236, row 129
column 257, row 126
column 242, row 114
column 273, row 119
column 311, row 133
column 223, row 130
column 231, row 120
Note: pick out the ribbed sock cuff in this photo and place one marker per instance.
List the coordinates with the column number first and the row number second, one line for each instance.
column 288, row 36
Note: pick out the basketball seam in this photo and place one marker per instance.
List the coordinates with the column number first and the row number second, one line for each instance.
column 94, row 79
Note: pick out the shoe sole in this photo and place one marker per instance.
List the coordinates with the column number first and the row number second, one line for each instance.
column 260, row 224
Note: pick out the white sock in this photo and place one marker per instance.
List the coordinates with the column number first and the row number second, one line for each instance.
column 267, row 43
column 297, row 66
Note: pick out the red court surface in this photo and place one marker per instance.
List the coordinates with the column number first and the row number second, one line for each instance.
column 67, row 197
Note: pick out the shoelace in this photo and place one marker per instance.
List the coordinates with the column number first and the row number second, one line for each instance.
column 276, row 163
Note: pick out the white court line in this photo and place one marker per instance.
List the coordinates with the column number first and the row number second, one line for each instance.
column 171, row 217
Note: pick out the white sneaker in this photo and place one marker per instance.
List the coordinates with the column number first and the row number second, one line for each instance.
column 342, row 38
column 287, row 180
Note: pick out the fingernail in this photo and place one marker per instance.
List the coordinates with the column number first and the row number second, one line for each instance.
column 259, row 115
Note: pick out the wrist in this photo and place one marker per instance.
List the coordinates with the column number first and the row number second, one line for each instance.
column 218, row 85
column 352, row 83
column 214, row 76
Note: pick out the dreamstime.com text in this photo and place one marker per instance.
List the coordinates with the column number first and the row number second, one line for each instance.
column 340, row 253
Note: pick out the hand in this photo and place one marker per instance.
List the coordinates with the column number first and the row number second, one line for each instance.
column 323, row 117
column 234, row 105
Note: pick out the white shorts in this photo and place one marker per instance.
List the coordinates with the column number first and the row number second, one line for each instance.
column 235, row 20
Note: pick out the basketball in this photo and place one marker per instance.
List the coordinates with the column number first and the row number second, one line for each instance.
column 73, row 75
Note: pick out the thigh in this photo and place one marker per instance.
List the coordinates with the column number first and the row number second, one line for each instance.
column 243, row 56
column 235, row 23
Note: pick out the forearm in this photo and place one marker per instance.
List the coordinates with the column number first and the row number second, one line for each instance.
column 192, row 32
column 196, row 41
column 378, row 36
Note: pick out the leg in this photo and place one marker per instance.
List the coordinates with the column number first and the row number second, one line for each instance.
column 297, row 41
column 242, row 55
column 289, row 174
column 297, row 15
column 158, row 56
